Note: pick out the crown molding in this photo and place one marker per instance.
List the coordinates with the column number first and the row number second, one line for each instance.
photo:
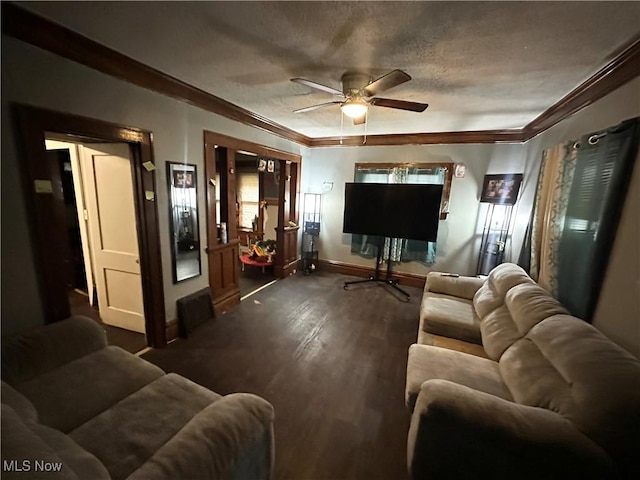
column 47, row 35
column 624, row 67
column 479, row 136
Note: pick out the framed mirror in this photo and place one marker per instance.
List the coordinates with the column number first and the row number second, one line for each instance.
column 183, row 220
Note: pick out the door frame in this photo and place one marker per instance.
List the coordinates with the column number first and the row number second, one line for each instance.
column 33, row 125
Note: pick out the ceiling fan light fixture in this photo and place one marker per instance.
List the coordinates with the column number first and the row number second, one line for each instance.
column 354, row 108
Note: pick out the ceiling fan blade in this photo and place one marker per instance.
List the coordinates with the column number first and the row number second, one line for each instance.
column 314, row 107
column 390, row 80
column 360, row 120
column 317, row 86
column 399, row 104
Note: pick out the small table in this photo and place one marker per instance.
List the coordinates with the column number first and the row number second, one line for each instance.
column 246, row 259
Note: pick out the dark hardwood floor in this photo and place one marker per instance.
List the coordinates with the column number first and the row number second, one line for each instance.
column 253, row 278
column 331, row 361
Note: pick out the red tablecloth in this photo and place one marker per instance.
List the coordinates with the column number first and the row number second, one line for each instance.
column 246, row 259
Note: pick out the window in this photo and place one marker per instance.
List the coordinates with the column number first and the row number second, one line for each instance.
column 248, row 198
column 403, row 250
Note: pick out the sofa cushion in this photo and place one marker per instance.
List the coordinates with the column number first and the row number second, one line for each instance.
column 45, row 348
column 231, row 439
column 529, row 304
column 450, row 317
column 491, row 295
column 19, row 403
column 498, row 332
column 126, row 435
column 79, row 390
column 525, row 305
column 451, row 284
column 428, row 362
column 565, row 365
column 31, row 445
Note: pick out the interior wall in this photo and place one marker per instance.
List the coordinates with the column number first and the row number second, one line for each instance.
column 458, row 235
column 38, row 78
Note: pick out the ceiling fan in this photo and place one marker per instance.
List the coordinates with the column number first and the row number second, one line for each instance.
column 358, row 93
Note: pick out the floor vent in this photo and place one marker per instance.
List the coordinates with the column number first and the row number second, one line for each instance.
column 194, row 310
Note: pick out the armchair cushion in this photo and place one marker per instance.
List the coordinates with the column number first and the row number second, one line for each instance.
column 231, row 438
column 74, row 393
column 43, row 349
column 27, row 442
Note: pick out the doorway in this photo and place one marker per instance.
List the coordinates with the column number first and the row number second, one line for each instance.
column 280, row 217
column 256, row 221
column 97, row 190
column 49, row 225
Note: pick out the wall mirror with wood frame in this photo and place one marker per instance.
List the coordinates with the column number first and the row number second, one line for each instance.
column 182, row 181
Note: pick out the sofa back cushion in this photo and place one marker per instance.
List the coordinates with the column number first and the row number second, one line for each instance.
column 45, row 348
column 529, row 304
column 451, row 284
column 491, row 295
column 565, row 365
column 525, row 305
column 18, row 402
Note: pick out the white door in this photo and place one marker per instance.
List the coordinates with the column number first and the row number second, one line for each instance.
column 106, row 172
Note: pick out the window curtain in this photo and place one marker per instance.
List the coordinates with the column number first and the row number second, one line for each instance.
column 402, row 250
column 579, row 200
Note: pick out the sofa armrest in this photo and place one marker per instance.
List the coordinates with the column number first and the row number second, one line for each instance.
column 458, row 432
column 232, row 438
column 452, row 284
column 45, row 348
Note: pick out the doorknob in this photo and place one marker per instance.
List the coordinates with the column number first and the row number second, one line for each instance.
column 138, row 261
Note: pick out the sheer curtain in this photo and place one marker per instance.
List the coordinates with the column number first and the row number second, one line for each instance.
column 402, row 250
column 580, row 196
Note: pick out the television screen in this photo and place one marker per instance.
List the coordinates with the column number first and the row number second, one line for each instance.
column 394, row 210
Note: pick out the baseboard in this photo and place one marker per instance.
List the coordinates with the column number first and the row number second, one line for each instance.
column 172, row 330
column 408, row 279
column 221, row 305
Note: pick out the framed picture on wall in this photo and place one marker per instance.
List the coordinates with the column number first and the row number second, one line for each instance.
column 182, row 179
column 501, row 189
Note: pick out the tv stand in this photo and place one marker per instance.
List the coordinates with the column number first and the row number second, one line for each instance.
column 376, row 276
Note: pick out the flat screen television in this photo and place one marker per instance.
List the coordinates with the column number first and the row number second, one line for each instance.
column 397, row 210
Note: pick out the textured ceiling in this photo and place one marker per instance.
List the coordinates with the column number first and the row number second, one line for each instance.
column 479, row 65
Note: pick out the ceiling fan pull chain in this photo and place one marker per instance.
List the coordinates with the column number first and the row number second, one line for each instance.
column 341, row 125
column 366, row 122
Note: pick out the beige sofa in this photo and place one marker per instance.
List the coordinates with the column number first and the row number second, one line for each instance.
column 75, row 406
column 554, row 399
